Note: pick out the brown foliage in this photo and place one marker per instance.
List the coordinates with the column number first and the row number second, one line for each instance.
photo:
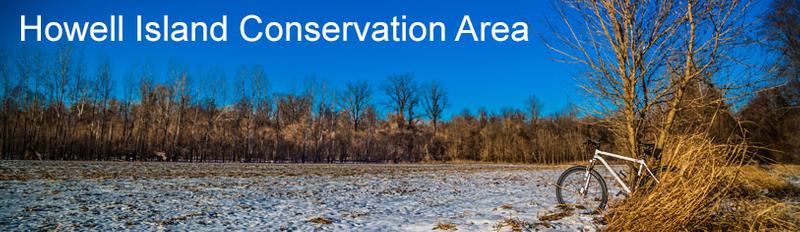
column 703, row 191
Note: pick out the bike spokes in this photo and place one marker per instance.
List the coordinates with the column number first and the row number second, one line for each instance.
column 578, row 190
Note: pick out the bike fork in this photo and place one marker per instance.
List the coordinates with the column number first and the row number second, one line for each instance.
column 587, row 177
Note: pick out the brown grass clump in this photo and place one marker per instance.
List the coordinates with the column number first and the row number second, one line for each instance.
column 566, row 211
column 762, row 214
column 704, row 190
column 321, row 220
column 787, row 169
column 754, row 181
column 444, row 226
column 515, row 224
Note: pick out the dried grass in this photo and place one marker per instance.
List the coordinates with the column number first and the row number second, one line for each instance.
column 786, row 169
column 514, row 224
column 444, row 226
column 320, row 220
column 564, row 211
column 708, row 187
column 754, row 181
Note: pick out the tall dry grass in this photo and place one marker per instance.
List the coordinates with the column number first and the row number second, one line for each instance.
column 708, row 187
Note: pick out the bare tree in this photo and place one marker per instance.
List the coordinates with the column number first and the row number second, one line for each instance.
column 782, row 38
column 262, row 107
column 103, row 89
column 435, row 102
column 183, row 97
column 61, row 79
column 533, row 106
column 8, row 94
column 641, row 56
column 402, row 92
column 354, row 100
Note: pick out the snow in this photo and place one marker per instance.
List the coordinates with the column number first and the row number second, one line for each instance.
column 393, row 198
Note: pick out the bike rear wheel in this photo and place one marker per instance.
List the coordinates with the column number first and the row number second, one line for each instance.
column 573, row 180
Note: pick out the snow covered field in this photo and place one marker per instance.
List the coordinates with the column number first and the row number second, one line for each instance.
column 166, row 196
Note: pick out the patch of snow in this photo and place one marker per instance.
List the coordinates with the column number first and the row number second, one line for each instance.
column 403, row 201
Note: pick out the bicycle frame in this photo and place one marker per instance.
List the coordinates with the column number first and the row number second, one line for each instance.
column 598, row 155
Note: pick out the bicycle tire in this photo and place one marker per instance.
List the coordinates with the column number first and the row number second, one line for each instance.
column 581, row 171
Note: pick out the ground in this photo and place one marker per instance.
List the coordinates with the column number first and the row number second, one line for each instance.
column 294, row 197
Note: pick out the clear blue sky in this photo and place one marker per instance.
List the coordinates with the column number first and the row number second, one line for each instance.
column 487, row 74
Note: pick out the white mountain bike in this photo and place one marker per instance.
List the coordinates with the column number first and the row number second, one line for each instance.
column 582, row 186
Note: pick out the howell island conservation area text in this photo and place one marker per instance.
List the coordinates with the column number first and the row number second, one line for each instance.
column 254, row 28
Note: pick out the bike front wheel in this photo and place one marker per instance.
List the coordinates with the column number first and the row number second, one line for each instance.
column 575, row 188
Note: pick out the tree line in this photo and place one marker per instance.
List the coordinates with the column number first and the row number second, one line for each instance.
column 53, row 110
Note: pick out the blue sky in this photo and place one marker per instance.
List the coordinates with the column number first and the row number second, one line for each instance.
column 485, row 74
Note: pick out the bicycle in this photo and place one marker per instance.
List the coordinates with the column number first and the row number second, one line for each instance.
column 578, row 182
